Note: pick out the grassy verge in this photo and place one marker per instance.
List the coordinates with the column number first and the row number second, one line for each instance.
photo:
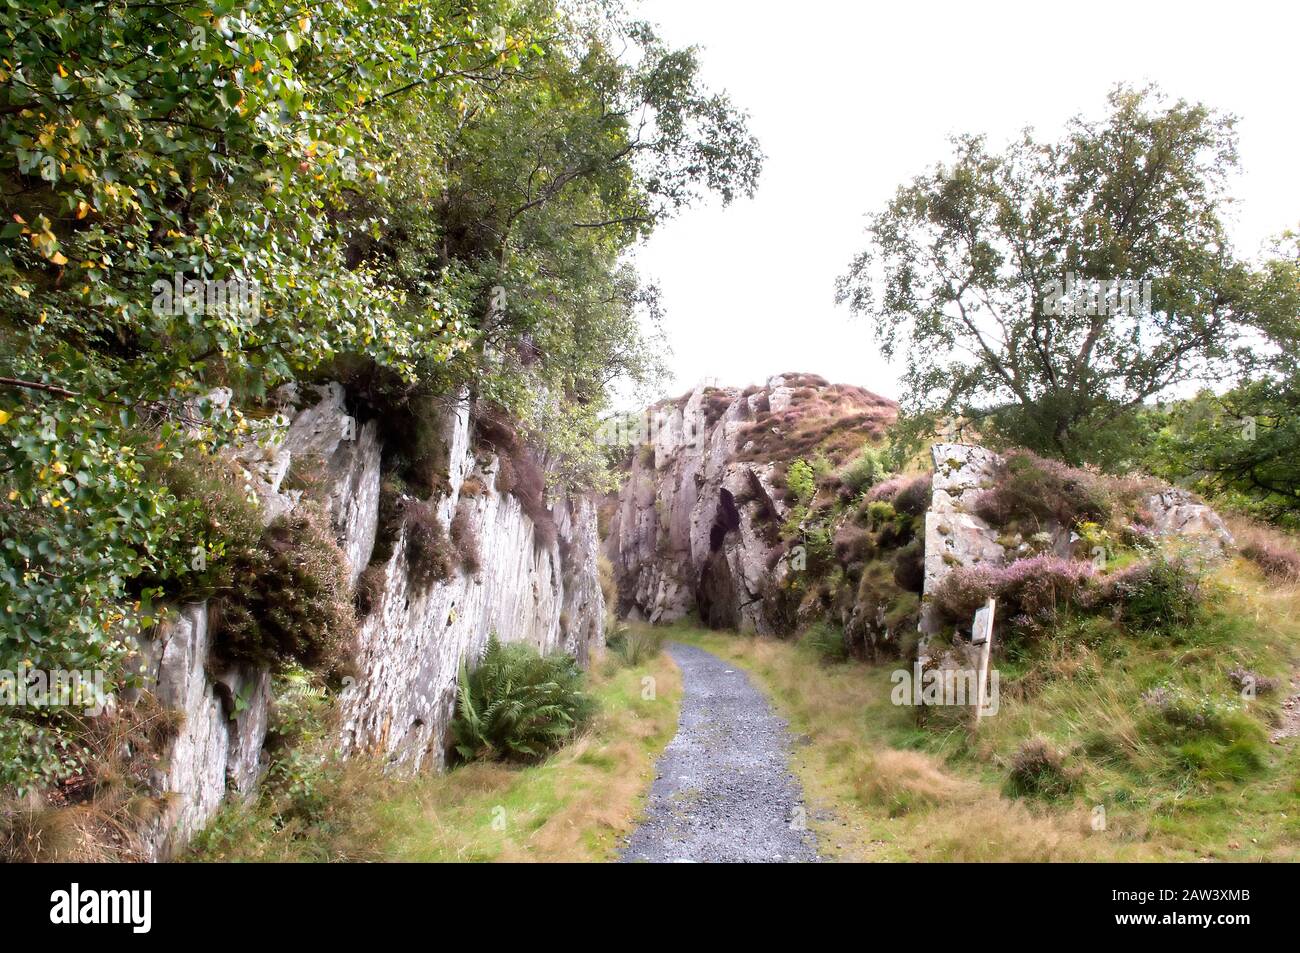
column 1207, row 786
column 574, row 806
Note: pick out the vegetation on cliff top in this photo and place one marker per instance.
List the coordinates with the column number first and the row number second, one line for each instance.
column 440, row 191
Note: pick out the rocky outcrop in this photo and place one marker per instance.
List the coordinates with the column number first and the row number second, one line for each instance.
column 695, row 525
column 1176, row 513
column 543, row 592
column 526, row 585
column 954, row 535
column 218, row 745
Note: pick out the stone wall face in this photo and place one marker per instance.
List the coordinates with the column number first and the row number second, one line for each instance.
column 679, row 537
column 409, row 647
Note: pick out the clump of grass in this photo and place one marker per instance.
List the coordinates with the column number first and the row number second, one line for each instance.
column 827, row 642
column 429, row 554
column 1039, row 770
column 635, row 645
column 1216, row 740
column 517, row 704
column 903, row 781
column 865, row 471
column 100, row 811
column 608, row 592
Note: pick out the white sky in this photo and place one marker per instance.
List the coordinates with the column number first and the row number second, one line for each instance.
column 852, row 99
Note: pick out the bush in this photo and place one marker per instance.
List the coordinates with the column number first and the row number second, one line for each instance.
column 866, row 470
column 827, row 642
column 1162, row 594
column 1274, row 553
column 518, row 704
column 1035, row 492
column 1039, row 770
column 636, row 645
column 913, row 497
column 908, row 495
column 1031, row 592
column 801, row 481
column 909, row 566
column 465, row 539
column 289, row 598
column 370, row 588
column 429, row 555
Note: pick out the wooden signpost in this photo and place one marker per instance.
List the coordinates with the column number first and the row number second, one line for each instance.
column 982, row 635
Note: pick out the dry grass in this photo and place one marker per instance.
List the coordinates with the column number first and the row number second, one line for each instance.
column 1275, row 552
column 871, row 801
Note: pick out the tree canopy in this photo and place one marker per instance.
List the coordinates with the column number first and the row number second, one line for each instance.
column 1044, row 293
column 441, row 188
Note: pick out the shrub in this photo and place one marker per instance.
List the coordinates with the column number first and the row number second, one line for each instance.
column 909, row 566
column 827, row 642
column 289, row 598
column 1246, row 680
column 518, row 704
column 1032, row 592
column 465, row 539
column 887, row 490
column 635, row 646
column 1039, row 770
column 1274, row 553
column 1161, row 594
column 1032, row 491
column 801, row 481
column 863, row 472
column 370, row 588
column 913, row 497
column 428, row 551
column 852, row 544
column 879, row 513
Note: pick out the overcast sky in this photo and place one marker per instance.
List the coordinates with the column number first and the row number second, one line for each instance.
column 851, row 99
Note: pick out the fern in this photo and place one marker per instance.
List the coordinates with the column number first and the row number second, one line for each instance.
column 518, row 704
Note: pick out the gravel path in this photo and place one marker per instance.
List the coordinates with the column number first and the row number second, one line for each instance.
column 723, row 789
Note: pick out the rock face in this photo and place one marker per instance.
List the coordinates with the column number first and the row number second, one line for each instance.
column 529, row 586
column 1176, row 512
column 219, row 743
column 544, row 593
column 954, row 535
column 695, row 521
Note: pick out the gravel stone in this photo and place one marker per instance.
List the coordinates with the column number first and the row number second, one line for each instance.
column 723, row 790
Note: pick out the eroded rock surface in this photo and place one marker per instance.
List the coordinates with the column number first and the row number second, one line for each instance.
column 529, row 586
column 695, row 525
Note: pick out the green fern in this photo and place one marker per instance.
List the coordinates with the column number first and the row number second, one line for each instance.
column 517, row 704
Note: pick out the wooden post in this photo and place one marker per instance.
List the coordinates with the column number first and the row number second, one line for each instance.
column 983, row 631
